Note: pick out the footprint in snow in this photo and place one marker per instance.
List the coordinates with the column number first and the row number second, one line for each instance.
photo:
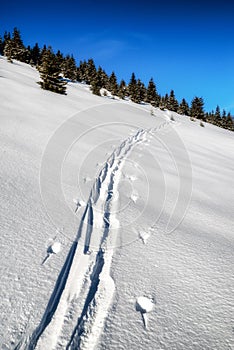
column 54, row 248
column 144, row 305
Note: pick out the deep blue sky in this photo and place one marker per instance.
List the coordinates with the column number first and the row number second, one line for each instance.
column 185, row 46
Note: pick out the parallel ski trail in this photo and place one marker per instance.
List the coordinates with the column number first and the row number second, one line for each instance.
column 85, row 274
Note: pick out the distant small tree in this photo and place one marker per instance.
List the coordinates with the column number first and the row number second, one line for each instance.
column 50, row 73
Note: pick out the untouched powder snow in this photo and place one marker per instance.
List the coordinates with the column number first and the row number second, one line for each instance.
column 142, row 258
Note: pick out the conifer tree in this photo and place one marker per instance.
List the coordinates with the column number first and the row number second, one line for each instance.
column 96, row 83
column 35, row 55
column 50, row 71
column 229, row 122
column 122, row 89
column 69, row 68
column 151, row 94
column 183, row 108
column 217, row 116
column 18, row 49
column 81, row 71
column 8, row 47
column 1, row 46
column 172, row 103
column 132, row 84
column 89, row 71
column 197, row 108
column 132, row 88
column 224, row 119
column 104, row 78
column 113, row 85
column 42, row 53
column 163, row 102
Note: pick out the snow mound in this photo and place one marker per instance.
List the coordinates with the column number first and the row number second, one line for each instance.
column 144, row 236
column 56, row 247
column 134, row 197
column 144, row 305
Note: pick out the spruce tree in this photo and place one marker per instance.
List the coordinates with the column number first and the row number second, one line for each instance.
column 172, row 103
column 197, row 108
column 96, row 83
column 81, row 69
column 104, row 77
column 224, row 119
column 163, row 102
column 8, row 47
column 35, row 55
column 217, row 116
column 50, row 71
column 229, row 122
column 122, row 89
column 18, row 48
column 132, row 88
column 151, row 94
column 1, row 46
column 69, row 68
column 113, row 85
column 89, row 71
column 184, row 108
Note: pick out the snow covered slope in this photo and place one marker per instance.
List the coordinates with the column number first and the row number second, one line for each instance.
column 116, row 225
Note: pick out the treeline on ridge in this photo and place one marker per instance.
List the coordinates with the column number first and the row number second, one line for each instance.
column 56, row 69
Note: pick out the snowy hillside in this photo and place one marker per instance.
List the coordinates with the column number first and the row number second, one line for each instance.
column 116, row 223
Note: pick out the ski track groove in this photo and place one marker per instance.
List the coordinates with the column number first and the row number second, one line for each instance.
column 66, row 294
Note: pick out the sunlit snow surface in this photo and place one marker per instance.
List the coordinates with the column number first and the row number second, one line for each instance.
column 186, row 276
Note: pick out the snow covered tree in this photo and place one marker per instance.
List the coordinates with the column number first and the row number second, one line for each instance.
column 197, row 108
column 50, row 73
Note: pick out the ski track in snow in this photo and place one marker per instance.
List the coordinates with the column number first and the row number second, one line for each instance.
column 78, row 305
